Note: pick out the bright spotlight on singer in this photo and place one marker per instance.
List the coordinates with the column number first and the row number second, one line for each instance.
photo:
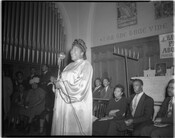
column 73, row 95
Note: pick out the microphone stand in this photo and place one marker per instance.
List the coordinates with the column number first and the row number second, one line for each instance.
column 59, row 69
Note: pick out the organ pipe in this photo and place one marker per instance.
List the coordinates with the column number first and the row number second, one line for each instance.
column 32, row 32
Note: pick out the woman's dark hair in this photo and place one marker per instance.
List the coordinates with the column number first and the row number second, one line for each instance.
column 97, row 79
column 166, row 89
column 81, row 44
column 107, row 79
column 121, row 87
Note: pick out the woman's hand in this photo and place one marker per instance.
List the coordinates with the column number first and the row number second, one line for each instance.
column 113, row 112
column 57, row 84
column 158, row 120
column 128, row 122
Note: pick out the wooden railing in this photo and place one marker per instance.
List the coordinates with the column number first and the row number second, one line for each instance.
column 99, row 107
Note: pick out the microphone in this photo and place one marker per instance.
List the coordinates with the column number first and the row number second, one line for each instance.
column 61, row 55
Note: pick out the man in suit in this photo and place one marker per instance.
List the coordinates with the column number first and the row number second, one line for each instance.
column 98, row 88
column 45, row 77
column 49, row 98
column 164, row 117
column 107, row 91
column 140, row 112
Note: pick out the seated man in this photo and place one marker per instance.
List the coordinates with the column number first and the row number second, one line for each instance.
column 107, row 91
column 163, row 124
column 140, row 113
column 47, row 114
column 97, row 89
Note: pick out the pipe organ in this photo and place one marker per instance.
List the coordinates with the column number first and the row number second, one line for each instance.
column 33, row 33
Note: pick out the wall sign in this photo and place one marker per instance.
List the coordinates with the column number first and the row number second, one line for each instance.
column 166, row 42
column 126, row 14
column 163, row 9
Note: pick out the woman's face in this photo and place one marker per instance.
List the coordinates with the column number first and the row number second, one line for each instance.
column 97, row 83
column 105, row 82
column 118, row 93
column 76, row 53
column 44, row 68
column 171, row 89
column 20, row 76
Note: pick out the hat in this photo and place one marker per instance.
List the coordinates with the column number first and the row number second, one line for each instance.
column 34, row 80
column 80, row 43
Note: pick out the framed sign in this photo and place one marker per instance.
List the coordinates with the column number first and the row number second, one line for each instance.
column 126, row 14
column 163, row 9
column 160, row 69
column 166, row 42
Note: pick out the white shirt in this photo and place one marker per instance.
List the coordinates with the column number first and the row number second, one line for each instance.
column 106, row 88
column 138, row 96
column 45, row 72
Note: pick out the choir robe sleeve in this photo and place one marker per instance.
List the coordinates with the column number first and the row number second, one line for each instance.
column 77, row 90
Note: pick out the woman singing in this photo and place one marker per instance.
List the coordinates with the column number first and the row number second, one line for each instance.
column 73, row 95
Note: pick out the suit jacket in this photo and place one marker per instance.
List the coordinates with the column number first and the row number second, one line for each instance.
column 49, row 98
column 144, row 110
column 44, row 80
column 108, row 94
column 96, row 93
column 163, row 112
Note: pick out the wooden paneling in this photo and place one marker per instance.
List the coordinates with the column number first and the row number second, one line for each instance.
column 105, row 64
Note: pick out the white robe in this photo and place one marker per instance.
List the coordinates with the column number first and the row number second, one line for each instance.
column 73, row 102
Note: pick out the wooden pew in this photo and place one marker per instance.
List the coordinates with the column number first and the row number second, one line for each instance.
column 99, row 107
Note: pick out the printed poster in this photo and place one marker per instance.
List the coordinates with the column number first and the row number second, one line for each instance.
column 166, row 42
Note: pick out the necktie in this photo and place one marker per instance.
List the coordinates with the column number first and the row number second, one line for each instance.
column 170, row 107
column 134, row 105
column 106, row 89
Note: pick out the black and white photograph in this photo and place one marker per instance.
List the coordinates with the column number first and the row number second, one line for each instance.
column 87, row 68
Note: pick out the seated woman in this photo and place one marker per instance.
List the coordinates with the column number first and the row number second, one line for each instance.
column 115, row 111
column 18, row 99
column 163, row 123
column 35, row 101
